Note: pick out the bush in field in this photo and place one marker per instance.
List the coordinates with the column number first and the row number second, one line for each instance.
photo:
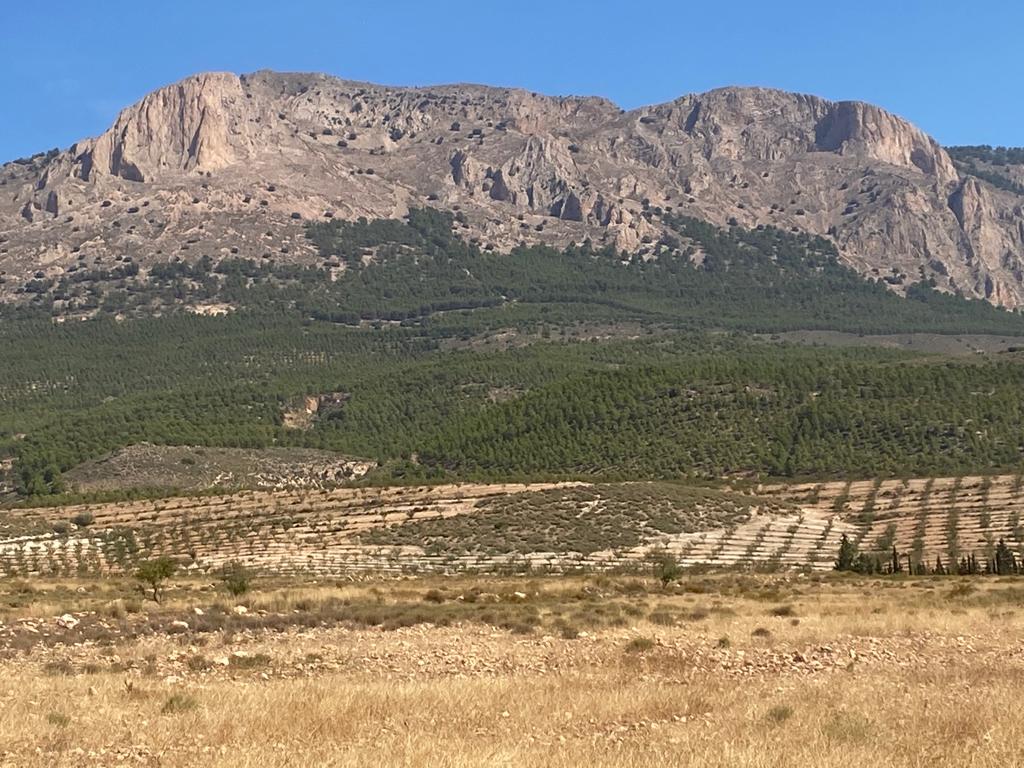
column 236, row 578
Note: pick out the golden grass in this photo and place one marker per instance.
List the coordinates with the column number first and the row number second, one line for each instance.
column 941, row 690
column 601, row 717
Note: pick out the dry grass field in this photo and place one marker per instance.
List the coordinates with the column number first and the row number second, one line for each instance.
column 722, row 670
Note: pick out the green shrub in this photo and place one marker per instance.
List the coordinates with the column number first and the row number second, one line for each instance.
column 236, row 578
column 253, row 661
column 667, row 569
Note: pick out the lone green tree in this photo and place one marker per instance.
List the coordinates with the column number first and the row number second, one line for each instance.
column 153, row 573
column 667, row 569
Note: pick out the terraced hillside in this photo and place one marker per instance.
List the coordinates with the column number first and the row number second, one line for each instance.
column 466, row 527
column 925, row 518
column 559, row 527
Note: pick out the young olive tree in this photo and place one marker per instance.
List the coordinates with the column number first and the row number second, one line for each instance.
column 153, row 573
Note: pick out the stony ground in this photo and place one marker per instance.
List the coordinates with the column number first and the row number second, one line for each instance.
column 715, row 670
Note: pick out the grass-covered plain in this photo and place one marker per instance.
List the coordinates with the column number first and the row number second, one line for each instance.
column 728, row 670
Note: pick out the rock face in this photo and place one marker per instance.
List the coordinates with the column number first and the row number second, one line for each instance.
column 194, row 125
column 220, row 164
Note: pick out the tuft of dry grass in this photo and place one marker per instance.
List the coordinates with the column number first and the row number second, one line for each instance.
column 640, row 645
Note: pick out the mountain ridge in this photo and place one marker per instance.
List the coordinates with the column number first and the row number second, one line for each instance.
column 221, row 164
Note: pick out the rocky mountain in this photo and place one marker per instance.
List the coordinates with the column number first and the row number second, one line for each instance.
column 220, row 164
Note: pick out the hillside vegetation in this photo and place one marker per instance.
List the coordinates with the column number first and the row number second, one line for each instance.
column 409, row 271
column 449, row 362
column 991, row 164
column 911, row 526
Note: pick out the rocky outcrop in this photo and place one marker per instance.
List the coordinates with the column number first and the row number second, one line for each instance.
column 219, row 164
column 994, row 251
column 874, row 133
column 198, row 125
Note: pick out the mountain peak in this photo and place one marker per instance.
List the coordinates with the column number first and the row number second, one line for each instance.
column 223, row 163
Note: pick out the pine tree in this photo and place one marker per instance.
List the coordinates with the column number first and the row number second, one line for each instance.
column 847, row 555
column 1005, row 560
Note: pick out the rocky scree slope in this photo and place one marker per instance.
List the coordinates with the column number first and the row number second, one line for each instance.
column 223, row 165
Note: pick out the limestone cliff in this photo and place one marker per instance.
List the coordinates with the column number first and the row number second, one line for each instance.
column 198, row 124
column 222, row 164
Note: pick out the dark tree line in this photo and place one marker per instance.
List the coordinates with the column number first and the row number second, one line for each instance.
column 1002, row 562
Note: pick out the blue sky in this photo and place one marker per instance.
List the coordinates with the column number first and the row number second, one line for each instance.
column 955, row 69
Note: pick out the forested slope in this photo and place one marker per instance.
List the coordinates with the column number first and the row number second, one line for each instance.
column 446, row 361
